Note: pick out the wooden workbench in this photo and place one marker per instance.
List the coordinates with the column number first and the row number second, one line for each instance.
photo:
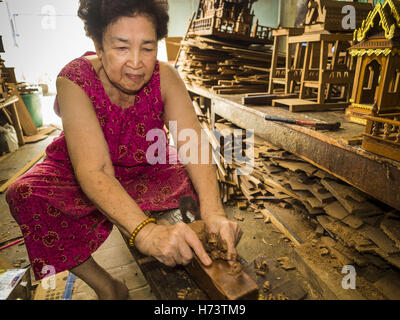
column 377, row 176
column 259, row 239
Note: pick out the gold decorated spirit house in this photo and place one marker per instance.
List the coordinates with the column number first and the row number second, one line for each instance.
column 376, row 90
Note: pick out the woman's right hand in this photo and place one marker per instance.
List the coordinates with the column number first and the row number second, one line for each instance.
column 171, row 245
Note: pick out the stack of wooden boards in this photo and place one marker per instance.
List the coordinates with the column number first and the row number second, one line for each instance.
column 368, row 230
column 333, row 207
column 225, row 67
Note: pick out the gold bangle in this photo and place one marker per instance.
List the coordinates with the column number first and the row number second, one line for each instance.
column 138, row 228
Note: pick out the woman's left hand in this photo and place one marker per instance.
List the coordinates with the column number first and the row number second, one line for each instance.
column 228, row 230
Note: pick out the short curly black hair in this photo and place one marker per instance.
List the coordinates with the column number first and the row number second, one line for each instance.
column 98, row 14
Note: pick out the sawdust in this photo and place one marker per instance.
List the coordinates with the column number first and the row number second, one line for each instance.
column 217, row 248
column 272, row 297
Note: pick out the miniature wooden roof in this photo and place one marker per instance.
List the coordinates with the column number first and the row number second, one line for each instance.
column 384, row 18
column 328, row 13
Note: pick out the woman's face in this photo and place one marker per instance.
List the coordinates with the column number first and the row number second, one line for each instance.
column 129, row 52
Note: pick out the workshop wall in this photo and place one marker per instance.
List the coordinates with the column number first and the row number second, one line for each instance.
column 41, row 45
column 41, row 36
column 267, row 11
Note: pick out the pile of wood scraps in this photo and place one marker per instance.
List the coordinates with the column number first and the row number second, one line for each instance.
column 224, row 67
column 343, row 212
column 329, row 206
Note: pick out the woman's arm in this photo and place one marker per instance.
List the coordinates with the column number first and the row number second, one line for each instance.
column 179, row 108
column 90, row 158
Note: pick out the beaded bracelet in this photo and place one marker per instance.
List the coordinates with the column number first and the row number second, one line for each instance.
column 138, row 228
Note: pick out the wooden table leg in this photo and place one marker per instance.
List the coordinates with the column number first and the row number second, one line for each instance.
column 16, row 123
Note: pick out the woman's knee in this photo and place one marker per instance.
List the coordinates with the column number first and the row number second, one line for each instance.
column 17, row 191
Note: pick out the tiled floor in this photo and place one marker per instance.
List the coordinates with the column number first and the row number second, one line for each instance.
column 115, row 257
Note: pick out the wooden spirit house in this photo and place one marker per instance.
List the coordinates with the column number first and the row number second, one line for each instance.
column 376, row 89
column 229, row 19
column 328, row 70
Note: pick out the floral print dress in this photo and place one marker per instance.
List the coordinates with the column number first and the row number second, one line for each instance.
column 61, row 227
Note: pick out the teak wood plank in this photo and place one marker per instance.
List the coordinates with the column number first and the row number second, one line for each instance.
column 216, row 280
column 380, row 239
column 391, row 227
column 204, row 283
column 340, row 190
column 336, row 210
column 345, row 195
column 300, row 105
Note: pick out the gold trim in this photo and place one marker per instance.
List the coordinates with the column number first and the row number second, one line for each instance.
column 376, row 52
column 357, row 120
column 362, row 106
column 390, row 29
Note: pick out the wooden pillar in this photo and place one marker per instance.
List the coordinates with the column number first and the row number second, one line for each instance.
column 274, row 63
column 322, row 67
column 288, row 64
column 306, row 69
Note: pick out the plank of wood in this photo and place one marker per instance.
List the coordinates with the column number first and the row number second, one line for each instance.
column 336, row 210
column 42, row 134
column 31, row 163
column 311, row 210
column 282, row 226
column 353, row 221
column 299, row 105
column 272, row 183
column 216, row 280
column 315, row 203
column 350, row 237
column 340, row 190
column 27, row 124
column 297, row 186
column 380, row 239
column 297, row 166
column 354, row 141
column 318, row 192
column 349, row 198
column 391, row 226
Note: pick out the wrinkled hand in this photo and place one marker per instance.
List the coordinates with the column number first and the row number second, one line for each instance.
column 228, row 230
column 171, row 245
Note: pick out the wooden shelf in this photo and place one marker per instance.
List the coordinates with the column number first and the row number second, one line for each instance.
column 375, row 175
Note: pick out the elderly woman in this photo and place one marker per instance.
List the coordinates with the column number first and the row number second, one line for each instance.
column 96, row 173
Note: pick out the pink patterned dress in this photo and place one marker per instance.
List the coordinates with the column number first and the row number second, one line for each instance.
column 61, row 227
